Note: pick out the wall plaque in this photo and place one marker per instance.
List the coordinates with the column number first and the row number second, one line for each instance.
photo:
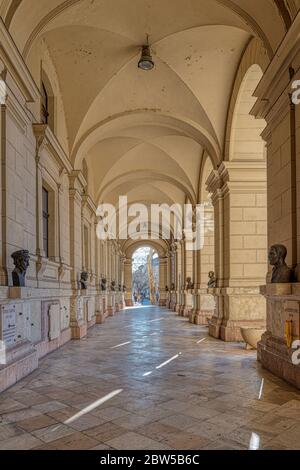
column 8, row 327
column 54, row 321
column 292, row 313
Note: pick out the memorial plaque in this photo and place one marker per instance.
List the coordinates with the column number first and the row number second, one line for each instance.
column 79, row 308
column 8, row 328
column 54, row 321
column 292, row 313
column 90, row 310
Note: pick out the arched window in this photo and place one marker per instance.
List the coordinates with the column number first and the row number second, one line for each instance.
column 45, row 105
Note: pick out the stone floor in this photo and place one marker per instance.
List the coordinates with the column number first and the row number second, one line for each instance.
column 117, row 390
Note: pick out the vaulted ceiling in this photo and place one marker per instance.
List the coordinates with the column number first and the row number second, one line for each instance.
column 144, row 133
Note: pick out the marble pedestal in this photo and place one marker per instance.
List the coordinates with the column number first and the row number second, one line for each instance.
column 236, row 307
column 274, row 353
column 205, row 307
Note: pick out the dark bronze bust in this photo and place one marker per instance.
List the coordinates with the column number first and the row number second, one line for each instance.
column 21, row 261
column 103, row 284
column 212, row 281
column 113, row 286
column 84, row 280
column 189, row 283
column 167, row 289
column 281, row 272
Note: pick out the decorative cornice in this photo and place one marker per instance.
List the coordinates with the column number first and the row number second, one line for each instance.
column 77, row 180
column 16, row 66
column 89, row 203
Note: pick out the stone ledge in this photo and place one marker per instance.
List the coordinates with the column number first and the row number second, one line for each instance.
column 45, row 347
column 25, row 293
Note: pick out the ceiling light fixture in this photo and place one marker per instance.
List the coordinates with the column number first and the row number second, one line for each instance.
column 146, row 62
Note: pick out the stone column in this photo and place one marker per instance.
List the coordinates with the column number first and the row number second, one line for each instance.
column 3, row 238
column 188, row 272
column 178, row 279
column 77, row 323
column 163, row 265
column 128, row 282
column 169, row 277
column 239, row 197
column 204, row 302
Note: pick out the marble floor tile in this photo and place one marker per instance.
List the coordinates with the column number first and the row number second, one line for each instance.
column 134, row 441
column 206, row 398
column 35, row 423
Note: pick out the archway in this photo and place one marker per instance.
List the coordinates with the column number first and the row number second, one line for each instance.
column 145, row 276
column 239, row 193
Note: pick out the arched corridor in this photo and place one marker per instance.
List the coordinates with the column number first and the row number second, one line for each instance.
column 130, row 128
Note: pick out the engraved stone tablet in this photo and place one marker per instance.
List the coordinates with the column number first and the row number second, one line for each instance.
column 8, row 324
column 292, row 313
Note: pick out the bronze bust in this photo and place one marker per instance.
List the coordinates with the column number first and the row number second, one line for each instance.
column 21, row 261
column 84, row 280
column 212, row 281
column 103, row 284
column 189, row 283
column 281, row 272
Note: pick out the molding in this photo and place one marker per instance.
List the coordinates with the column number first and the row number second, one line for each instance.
column 77, row 180
column 89, row 203
column 16, row 66
column 43, row 132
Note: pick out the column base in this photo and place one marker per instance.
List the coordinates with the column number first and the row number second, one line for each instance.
column 91, row 323
column 231, row 330
column 20, row 361
column 111, row 311
column 187, row 310
column 100, row 318
column 45, row 347
column 79, row 330
column 214, row 328
column 200, row 317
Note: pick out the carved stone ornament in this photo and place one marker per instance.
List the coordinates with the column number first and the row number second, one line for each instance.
column 84, row 280
column 113, row 286
column 21, row 261
column 212, row 280
column 281, row 272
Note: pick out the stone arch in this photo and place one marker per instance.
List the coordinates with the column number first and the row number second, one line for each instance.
column 250, row 71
